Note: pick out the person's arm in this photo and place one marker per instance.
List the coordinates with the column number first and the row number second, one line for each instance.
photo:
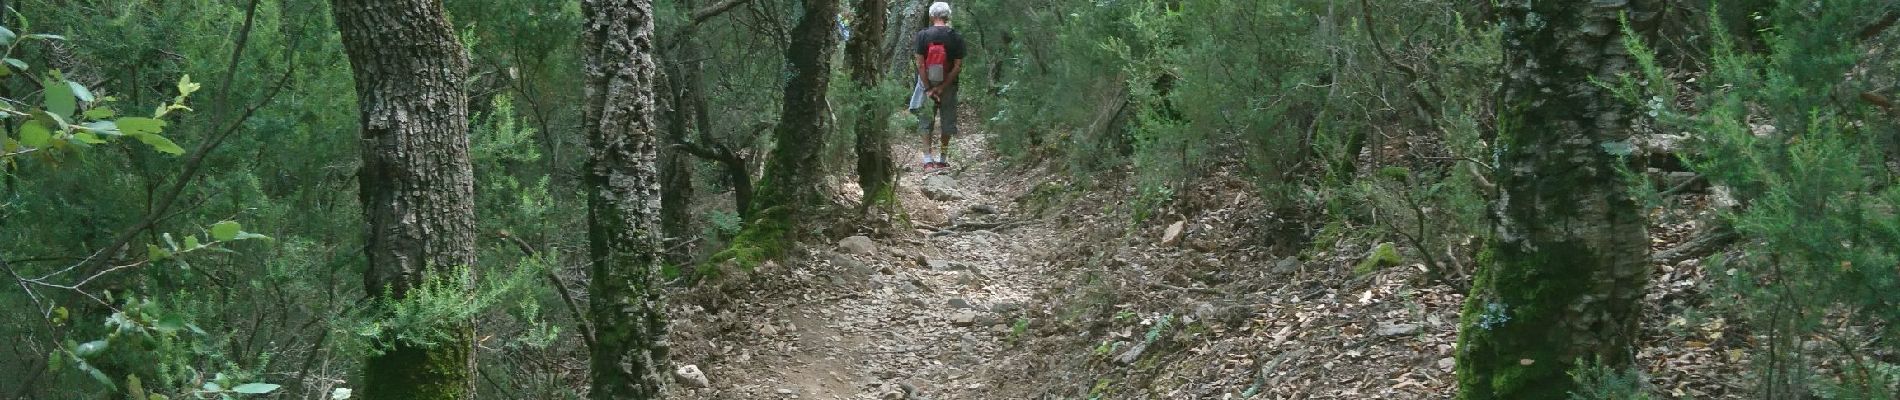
column 956, row 67
column 921, row 72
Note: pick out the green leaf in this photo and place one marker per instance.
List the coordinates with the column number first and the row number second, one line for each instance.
column 7, row 36
column 88, row 138
column 249, row 236
column 105, row 127
column 89, row 348
column 33, row 133
column 186, row 87
column 255, row 388
column 17, row 64
column 191, row 242
column 80, row 91
column 226, row 230
column 59, row 97
column 45, row 36
column 159, row 143
column 140, row 125
column 100, row 113
column 170, row 323
column 100, row 376
column 153, row 252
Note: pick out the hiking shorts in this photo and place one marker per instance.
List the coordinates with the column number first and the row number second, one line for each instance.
column 945, row 108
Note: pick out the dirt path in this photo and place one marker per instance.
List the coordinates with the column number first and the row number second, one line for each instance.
column 912, row 317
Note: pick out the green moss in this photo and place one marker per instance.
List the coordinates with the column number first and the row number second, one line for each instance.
column 1515, row 342
column 763, row 239
column 1382, row 257
column 412, row 372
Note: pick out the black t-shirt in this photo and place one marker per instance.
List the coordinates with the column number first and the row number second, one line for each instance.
column 952, row 41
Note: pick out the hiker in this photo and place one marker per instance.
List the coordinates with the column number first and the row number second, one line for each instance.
column 939, row 60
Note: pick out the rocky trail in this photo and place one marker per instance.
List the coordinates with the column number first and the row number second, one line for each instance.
column 888, row 315
column 995, row 291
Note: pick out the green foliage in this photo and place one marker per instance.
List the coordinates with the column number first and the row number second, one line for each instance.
column 430, row 313
column 1598, row 382
column 1812, row 174
column 1383, row 256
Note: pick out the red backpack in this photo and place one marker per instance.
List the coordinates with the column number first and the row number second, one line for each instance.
column 934, row 60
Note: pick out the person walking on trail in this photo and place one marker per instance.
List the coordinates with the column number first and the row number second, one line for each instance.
column 940, row 54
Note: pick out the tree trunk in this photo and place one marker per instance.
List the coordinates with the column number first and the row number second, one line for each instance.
column 1570, row 260
column 792, row 174
column 877, row 175
column 416, row 182
column 623, row 183
column 676, row 174
column 907, row 21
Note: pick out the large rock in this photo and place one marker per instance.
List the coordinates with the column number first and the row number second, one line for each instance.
column 941, row 188
column 857, row 245
column 856, row 269
column 691, row 375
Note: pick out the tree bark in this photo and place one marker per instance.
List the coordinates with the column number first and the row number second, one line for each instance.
column 792, row 174
column 1568, row 266
column 877, row 174
column 417, row 186
column 676, row 172
column 629, row 355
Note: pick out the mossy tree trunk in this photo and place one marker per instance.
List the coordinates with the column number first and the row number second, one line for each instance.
column 623, row 182
column 792, row 174
column 417, row 186
column 877, row 174
column 1567, row 270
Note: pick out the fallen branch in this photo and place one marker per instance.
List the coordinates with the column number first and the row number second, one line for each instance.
column 1707, row 243
column 1885, row 22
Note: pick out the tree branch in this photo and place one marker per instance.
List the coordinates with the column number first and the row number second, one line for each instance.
column 1411, row 73
column 708, row 12
column 567, row 298
column 198, row 158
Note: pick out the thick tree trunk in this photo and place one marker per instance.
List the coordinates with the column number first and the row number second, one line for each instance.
column 417, row 184
column 792, row 174
column 1565, row 281
column 877, row 175
column 623, row 183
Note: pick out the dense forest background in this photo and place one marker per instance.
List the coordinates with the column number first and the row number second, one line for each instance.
column 184, row 211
